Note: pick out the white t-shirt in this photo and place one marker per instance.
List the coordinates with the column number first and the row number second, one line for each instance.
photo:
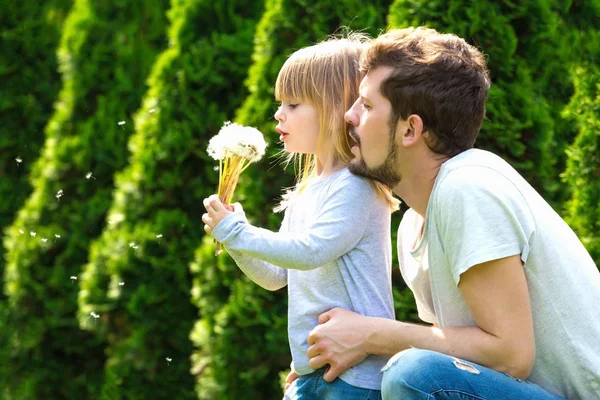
column 480, row 210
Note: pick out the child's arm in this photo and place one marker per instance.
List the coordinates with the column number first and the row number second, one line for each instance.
column 267, row 276
column 338, row 227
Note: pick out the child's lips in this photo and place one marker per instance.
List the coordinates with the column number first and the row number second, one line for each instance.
column 282, row 134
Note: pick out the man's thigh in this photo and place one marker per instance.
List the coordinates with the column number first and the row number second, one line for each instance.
column 424, row 374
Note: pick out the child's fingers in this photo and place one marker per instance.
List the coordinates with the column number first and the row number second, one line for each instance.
column 215, row 203
column 207, row 220
column 207, row 205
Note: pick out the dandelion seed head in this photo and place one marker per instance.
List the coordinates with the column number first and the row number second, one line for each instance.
column 237, row 140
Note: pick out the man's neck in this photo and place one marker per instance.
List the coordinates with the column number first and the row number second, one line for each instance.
column 417, row 183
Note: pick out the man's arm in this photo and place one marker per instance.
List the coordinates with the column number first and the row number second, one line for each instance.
column 497, row 296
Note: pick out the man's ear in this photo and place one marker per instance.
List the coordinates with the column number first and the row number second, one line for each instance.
column 411, row 130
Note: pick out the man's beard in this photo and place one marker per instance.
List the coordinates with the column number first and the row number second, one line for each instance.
column 385, row 173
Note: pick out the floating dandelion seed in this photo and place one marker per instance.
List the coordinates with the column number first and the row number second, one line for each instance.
column 151, row 110
column 94, row 315
column 59, row 194
column 159, row 236
column 131, row 244
column 110, row 222
column 89, row 175
column 32, row 233
column 18, row 160
column 73, row 278
column 21, row 231
column 121, row 123
column 44, row 240
column 169, row 359
column 56, row 235
column 121, row 283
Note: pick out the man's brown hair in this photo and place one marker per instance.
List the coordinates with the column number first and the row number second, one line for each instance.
column 439, row 77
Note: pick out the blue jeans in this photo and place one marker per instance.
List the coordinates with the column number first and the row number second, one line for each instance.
column 427, row 375
column 314, row 387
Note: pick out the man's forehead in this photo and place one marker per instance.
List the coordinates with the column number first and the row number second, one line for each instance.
column 372, row 80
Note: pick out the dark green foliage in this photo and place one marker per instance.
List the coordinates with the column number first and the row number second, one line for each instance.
column 105, row 53
column 582, row 174
column 29, row 84
column 241, row 336
column 522, row 41
column 194, row 88
column 583, row 163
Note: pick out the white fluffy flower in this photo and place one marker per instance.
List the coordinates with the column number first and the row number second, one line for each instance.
column 237, row 140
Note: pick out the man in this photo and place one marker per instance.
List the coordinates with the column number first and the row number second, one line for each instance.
column 512, row 295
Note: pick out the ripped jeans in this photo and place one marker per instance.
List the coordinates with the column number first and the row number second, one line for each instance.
column 428, row 375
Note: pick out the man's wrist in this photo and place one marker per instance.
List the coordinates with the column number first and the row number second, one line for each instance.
column 383, row 336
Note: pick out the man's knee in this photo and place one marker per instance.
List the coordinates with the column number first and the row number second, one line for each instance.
column 408, row 373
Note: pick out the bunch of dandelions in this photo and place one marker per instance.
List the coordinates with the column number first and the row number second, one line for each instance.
column 235, row 147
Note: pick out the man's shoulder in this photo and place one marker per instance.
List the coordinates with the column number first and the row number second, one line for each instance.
column 473, row 168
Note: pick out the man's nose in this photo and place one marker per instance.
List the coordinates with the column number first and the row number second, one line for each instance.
column 351, row 117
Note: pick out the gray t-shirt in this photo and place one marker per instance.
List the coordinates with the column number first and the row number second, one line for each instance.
column 333, row 250
column 480, row 210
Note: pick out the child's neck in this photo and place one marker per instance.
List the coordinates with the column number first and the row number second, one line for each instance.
column 329, row 167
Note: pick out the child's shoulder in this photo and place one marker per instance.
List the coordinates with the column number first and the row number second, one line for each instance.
column 346, row 180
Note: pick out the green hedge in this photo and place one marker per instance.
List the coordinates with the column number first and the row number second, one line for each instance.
column 29, row 84
column 105, row 54
column 194, row 88
column 582, row 174
column 528, row 70
column 241, row 338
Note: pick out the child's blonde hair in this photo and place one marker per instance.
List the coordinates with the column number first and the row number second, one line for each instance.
column 326, row 76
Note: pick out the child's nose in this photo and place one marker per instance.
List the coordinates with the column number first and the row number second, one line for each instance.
column 279, row 115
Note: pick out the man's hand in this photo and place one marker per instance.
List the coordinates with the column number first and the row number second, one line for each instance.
column 339, row 340
column 216, row 211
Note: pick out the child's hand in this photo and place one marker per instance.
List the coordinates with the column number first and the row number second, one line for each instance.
column 216, row 211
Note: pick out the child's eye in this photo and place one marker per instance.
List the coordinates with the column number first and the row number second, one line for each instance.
column 365, row 106
column 292, row 106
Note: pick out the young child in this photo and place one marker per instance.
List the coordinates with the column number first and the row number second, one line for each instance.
column 334, row 245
